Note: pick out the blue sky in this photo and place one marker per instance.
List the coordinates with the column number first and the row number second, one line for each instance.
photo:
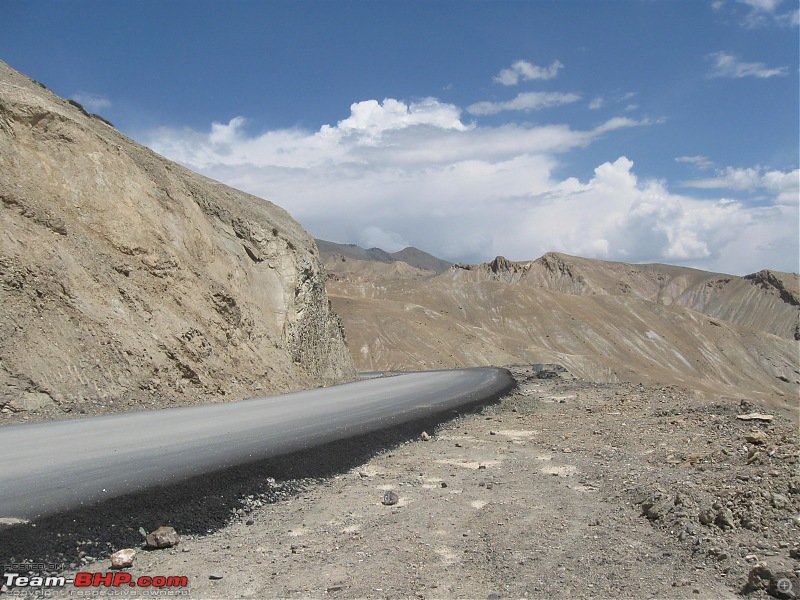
column 633, row 130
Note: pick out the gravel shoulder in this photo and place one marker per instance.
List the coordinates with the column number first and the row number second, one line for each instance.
column 563, row 488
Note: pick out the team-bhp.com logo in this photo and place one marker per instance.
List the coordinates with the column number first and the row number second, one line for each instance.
column 95, row 580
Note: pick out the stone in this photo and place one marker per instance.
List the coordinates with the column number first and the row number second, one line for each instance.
column 122, row 559
column 163, row 537
column 778, row 584
column 390, row 498
column 424, row 436
column 724, row 519
column 215, row 576
column 756, row 437
column 779, row 501
column 754, row 417
column 706, row 516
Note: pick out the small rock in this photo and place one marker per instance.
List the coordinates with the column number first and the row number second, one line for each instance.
column 424, row 436
column 443, row 484
column 706, row 516
column 754, row 417
column 163, row 537
column 481, row 466
column 492, row 433
column 458, row 445
column 215, row 576
column 122, row 559
column 724, row 519
column 755, row 437
column 777, row 584
column 390, row 498
column 249, row 522
column 779, row 501
column 334, row 588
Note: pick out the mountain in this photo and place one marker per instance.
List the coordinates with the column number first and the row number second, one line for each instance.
column 127, row 281
column 603, row 321
column 411, row 256
column 767, row 300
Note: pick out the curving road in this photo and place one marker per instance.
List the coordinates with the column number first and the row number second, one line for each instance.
column 55, row 466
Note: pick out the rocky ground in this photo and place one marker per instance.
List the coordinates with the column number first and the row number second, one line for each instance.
column 563, row 488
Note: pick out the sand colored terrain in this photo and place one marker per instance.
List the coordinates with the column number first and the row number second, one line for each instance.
column 603, row 321
column 127, row 281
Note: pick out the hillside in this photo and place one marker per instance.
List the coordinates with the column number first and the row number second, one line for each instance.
column 129, row 282
column 603, row 321
column 767, row 300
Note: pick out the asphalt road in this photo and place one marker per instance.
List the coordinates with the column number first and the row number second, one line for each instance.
column 54, row 466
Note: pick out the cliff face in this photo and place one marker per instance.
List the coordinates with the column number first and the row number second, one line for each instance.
column 127, row 281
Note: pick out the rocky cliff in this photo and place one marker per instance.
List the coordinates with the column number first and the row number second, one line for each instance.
column 129, row 282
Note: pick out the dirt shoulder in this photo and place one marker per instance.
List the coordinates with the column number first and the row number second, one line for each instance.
column 562, row 489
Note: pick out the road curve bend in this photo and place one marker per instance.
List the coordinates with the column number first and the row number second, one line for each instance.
column 54, row 466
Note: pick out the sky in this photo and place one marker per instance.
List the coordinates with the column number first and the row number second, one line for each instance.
column 628, row 130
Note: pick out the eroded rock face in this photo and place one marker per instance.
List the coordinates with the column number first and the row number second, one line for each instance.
column 129, row 282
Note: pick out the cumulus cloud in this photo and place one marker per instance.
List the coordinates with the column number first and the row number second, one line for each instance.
column 393, row 174
column 522, row 70
column 92, row 102
column 526, row 102
column 727, row 65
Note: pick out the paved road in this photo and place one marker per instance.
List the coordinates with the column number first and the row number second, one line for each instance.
column 54, row 466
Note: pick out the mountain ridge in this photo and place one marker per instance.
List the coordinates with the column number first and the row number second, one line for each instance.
column 603, row 321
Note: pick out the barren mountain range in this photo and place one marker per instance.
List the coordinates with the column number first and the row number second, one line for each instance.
column 604, row 321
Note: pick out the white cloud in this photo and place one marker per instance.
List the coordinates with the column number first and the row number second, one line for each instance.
column 92, row 102
column 375, row 237
column 393, row 174
column 522, row 70
column 374, row 118
column 526, row 101
column 596, row 103
column 766, row 12
column 701, row 162
column 760, row 13
column 784, row 187
column 727, row 65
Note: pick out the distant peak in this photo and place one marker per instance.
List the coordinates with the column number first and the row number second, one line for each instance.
column 501, row 263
